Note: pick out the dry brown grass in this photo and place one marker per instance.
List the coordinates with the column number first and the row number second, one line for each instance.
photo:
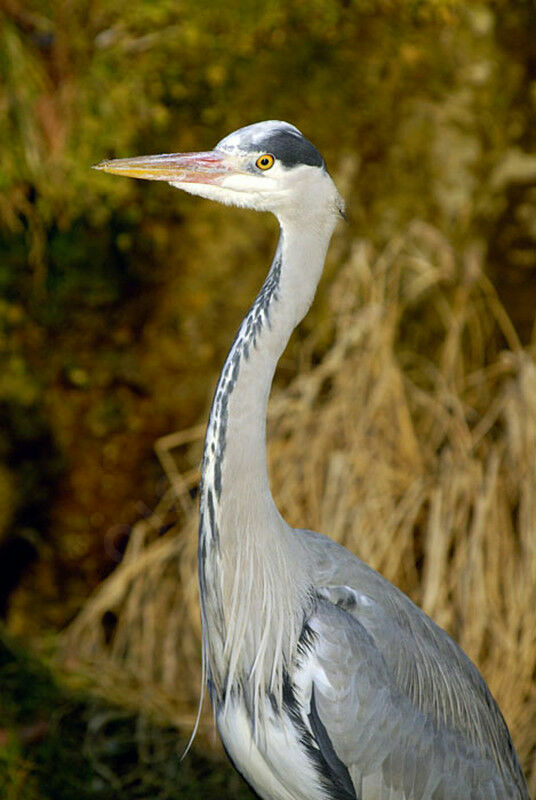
column 412, row 442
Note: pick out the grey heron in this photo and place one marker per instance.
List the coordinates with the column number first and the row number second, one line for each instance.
column 326, row 681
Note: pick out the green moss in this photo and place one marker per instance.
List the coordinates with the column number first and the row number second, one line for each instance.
column 56, row 746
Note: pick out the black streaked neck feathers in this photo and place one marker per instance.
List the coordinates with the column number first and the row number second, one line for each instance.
column 247, row 558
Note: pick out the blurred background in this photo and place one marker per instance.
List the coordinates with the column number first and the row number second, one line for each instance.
column 404, row 416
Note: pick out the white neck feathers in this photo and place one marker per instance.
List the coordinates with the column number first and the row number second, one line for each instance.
column 254, row 582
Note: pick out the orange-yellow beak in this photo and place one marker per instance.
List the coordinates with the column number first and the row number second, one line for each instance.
column 210, row 167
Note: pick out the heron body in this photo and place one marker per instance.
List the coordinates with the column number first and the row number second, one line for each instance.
column 327, row 682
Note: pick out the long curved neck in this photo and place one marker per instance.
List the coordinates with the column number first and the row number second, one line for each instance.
column 246, row 556
column 234, row 464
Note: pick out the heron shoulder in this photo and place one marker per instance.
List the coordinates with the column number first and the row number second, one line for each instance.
column 424, row 663
column 389, row 746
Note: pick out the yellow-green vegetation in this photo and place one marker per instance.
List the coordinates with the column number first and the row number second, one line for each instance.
column 58, row 745
column 409, row 431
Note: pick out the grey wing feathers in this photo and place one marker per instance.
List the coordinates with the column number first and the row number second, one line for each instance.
column 391, row 749
column 422, row 663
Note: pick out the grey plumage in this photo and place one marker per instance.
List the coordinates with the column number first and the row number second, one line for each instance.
column 450, row 729
column 327, row 682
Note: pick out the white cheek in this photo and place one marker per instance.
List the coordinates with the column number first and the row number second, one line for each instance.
column 249, row 183
column 240, row 194
column 207, row 190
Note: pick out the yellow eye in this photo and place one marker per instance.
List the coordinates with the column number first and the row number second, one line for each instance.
column 265, row 162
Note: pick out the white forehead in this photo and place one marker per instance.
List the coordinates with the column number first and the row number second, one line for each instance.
column 252, row 137
column 283, row 140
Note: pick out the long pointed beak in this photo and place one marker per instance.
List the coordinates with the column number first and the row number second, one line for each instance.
column 210, row 167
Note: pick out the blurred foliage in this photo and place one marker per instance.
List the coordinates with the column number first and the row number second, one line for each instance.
column 391, row 81
column 56, row 745
column 120, row 297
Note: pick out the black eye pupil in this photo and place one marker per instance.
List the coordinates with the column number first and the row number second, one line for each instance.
column 265, row 162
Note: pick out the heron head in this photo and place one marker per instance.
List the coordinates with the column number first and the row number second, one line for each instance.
column 268, row 166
